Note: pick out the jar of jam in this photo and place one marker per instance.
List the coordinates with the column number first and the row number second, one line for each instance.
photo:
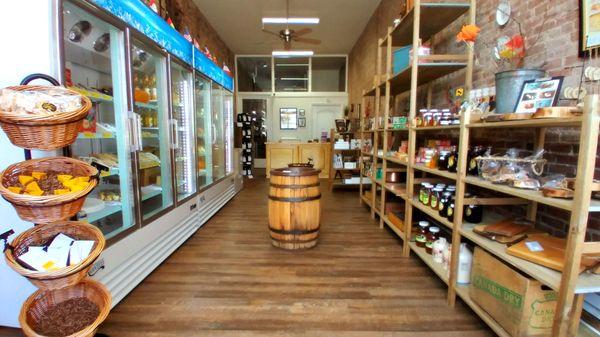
column 436, row 195
column 432, row 236
column 452, row 160
column 427, row 195
column 436, row 116
column 450, row 210
column 422, row 191
column 428, row 119
column 423, row 231
column 472, row 161
column 443, row 203
column 443, row 160
column 473, row 213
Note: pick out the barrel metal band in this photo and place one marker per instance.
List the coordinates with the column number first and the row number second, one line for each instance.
column 294, row 231
column 293, row 241
column 295, row 187
column 301, row 199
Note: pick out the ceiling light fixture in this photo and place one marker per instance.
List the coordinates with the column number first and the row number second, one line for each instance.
column 292, row 21
column 292, row 53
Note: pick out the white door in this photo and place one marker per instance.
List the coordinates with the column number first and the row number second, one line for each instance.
column 324, row 116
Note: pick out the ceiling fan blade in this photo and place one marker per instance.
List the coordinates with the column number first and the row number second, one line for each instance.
column 302, row 31
column 307, row 40
column 270, row 32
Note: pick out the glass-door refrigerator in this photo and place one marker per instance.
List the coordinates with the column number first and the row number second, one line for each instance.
column 151, row 119
column 183, row 131
column 228, row 120
column 94, row 62
column 218, row 130
column 203, row 129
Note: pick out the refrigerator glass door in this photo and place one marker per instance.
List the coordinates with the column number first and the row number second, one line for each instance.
column 151, row 108
column 182, row 126
column 95, row 66
column 203, row 130
column 228, row 120
column 218, row 130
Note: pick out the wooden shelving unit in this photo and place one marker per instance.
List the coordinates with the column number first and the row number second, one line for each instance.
column 334, row 181
column 570, row 284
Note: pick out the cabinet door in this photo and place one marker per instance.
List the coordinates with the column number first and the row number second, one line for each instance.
column 151, row 106
column 280, row 155
column 95, row 67
column 218, row 132
column 203, row 130
column 319, row 153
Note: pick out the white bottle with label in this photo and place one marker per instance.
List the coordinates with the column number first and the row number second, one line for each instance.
column 437, row 251
column 465, row 259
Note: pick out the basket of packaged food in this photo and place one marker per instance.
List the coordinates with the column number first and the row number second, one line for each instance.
column 74, row 311
column 49, row 189
column 42, row 117
column 510, row 169
column 53, row 256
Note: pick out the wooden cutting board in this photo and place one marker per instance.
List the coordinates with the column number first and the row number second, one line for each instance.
column 557, row 112
column 552, row 255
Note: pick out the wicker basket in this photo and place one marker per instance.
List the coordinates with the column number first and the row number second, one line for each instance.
column 49, row 208
column 40, row 235
column 44, row 132
column 36, row 305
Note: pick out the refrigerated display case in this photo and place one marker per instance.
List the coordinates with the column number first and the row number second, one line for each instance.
column 94, row 53
column 149, row 76
column 183, row 131
column 203, row 129
column 218, row 130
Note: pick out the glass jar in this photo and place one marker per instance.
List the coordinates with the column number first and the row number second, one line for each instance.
column 436, row 195
column 473, row 153
column 427, row 195
column 446, row 119
column 452, row 160
column 473, row 213
column 422, row 191
column 436, row 116
column 423, row 231
column 443, row 203
column 432, row 236
column 427, row 119
column 450, row 210
column 443, row 160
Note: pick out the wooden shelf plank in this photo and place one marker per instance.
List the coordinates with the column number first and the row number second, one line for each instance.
column 431, row 212
column 434, row 18
column 395, row 130
column 434, row 128
column 370, row 92
column 536, row 196
column 587, row 282
column 396, row 160
column 397, row 189
column 439, row 173
column 427, row 73
column 393, row 227
column 463, row 292
column 529, row 123
column 428, row 259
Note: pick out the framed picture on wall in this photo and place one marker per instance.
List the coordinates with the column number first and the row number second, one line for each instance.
column 288, row 118
column 302, row 112
column 302, row 122
column 589, row 31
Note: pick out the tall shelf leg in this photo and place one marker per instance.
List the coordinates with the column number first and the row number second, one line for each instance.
column 588, row 142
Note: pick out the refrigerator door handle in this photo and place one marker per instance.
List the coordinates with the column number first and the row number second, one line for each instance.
column 175, row 133
column 133, row 129
column 139, row 132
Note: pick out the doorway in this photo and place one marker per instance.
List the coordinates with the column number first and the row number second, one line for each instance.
column 258, row 107
column 324, row 116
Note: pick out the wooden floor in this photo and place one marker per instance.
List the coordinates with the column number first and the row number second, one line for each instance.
column 227, row 280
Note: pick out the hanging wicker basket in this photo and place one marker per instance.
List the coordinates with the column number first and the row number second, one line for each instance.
column 41, row 235
column 37, row 304
column 44, row 132
column 48, row 208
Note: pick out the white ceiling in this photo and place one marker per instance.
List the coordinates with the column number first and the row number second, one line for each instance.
column 238, row 22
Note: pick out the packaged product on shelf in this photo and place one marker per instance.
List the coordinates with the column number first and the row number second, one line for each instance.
column 421, row 237
column 512, row 170
column 432, row 236
column 465, row 259
column 59, row 253
column 46, row 183
column 437, row 250
column 446, row 257
column 50, row 101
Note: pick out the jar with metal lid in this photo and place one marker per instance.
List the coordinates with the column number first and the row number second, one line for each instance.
column 436, row 116
column 442, row 186
column 452, row 160
column 423, row 231
column 432, row 236
column 436, row 195
column 422, row 191
column 427, row 195
column 427, row 119
column 450, row 210
column 443, row 160
column 443, row 203
column 473, row 213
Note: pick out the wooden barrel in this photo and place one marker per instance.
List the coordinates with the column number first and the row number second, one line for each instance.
column 294, row 207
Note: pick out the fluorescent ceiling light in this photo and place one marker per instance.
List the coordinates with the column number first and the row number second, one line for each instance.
column 292, row 53
column 294, row 21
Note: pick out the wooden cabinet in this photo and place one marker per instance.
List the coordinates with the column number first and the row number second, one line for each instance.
column 281, row 154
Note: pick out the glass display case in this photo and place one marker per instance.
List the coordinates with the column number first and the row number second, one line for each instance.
column 94, row 55
column 182, row 124
column 151, row 118
column 218, row 130
column 203, row 129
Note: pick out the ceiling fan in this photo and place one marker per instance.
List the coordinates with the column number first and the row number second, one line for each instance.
column 288, row 35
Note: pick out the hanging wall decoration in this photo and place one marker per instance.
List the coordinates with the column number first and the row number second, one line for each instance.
column 246, row 122
column 589, row 35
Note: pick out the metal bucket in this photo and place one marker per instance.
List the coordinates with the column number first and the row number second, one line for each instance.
column 508, row 87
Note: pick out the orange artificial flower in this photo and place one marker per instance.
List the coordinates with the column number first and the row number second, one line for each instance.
column 517, row 44
column 468, row 33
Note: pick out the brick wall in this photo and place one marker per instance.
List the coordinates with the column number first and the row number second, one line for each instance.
column 556, row 51
column 184, row 13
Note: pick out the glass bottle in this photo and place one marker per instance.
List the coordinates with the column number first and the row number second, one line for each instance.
column 421, row 237
column 432, row 236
